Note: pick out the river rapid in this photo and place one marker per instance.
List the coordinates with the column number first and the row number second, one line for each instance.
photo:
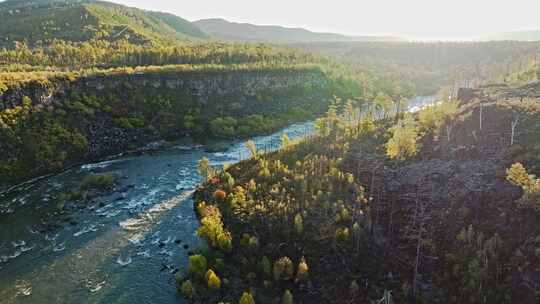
column 121, row 248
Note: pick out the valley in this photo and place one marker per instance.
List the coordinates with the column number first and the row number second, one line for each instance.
column 147, row 157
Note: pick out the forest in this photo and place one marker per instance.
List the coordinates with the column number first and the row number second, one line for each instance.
column 428, row 66
column 389, row 208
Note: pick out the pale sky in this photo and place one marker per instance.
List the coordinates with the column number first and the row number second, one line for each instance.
column 415, row 19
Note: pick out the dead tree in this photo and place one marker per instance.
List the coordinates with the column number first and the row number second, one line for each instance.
column 514, row 124
column 481, row 114
column 449, row 128
column 417, row 232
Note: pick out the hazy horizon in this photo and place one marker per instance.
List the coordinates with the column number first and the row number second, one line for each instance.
column 415, row 19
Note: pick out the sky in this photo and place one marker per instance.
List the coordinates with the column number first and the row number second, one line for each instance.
column 413, row 19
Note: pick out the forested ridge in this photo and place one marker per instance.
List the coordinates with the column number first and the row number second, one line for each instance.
column 428, row 66
column 43, row 21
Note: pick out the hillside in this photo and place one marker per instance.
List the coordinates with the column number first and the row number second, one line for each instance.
column 422, row 211
column 426, row 67
column 232, row 31
column 78, row 21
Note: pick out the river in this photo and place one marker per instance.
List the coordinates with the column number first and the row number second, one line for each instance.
column 121, row 248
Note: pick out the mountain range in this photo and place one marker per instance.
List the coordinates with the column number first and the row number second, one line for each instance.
column 41, row 21
column 232, row 31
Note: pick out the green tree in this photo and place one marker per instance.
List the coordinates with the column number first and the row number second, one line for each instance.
column 197, row 265
column 404, row 141
column 187, row 289
column 246, row 298
column 189, row 122
column 204, row 168
column 223, row 127
column 298, row 223
column 266, row 266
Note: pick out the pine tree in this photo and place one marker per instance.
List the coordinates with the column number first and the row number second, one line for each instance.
column 187, row 289
column 204, row 168
column 246, row 298
column 287, row 297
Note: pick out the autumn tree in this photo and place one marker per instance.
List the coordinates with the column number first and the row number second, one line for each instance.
column 517, row 175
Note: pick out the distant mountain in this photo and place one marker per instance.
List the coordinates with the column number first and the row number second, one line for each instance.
column 230, row 31
column 533, row 35
column 80, row 20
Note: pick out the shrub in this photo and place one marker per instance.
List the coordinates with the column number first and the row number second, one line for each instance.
column 342, row 235
column 197, row 265
column 283, row 269
column 253, row 243
column 517, row 175
column 187, row 289
column 103, row 181
column 223, row 127
column 246, row 298
column 212, row 280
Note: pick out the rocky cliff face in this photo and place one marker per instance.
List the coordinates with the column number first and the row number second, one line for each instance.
column 84, row 118
column 201, row 86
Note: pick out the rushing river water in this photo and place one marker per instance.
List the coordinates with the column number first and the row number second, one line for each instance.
column 124, row 247
column 120, row 248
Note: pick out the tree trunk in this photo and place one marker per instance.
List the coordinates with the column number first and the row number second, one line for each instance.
column 448, row 132
column 514, row 125
column 481, row 114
